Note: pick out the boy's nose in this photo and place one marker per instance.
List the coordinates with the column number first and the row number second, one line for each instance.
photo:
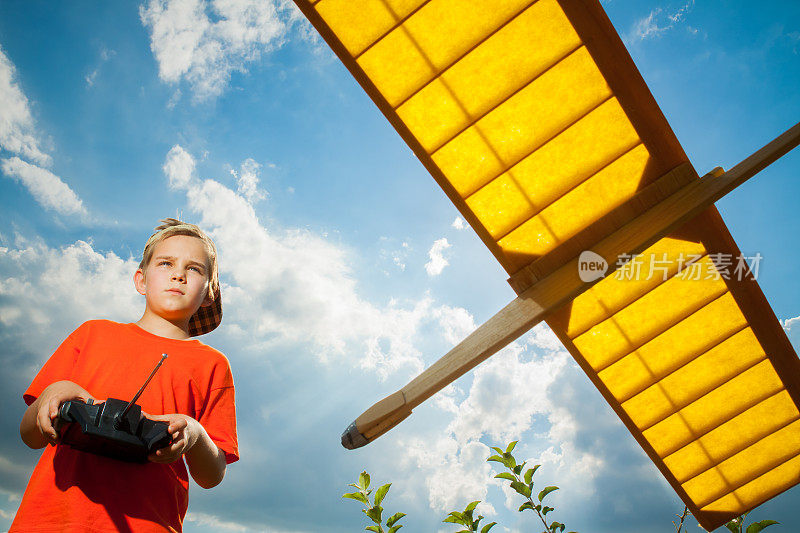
column 177, row 276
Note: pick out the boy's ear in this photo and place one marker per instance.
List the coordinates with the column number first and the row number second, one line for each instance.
column 207, row 300
column 139, row 281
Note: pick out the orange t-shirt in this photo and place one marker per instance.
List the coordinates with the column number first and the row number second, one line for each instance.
column 71, row 490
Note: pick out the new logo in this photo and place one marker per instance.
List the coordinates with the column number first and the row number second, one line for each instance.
column 591, row 266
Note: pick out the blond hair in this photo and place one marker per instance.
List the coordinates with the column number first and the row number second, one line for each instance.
column 171, row 227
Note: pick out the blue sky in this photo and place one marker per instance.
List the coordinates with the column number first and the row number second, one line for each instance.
column 344, row 266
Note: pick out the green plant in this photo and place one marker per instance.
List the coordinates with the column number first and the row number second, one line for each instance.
column 737, row 524
column 524, row 486
column 465, row 519
column 374, row 511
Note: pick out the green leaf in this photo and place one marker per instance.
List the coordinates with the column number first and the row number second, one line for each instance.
column 521, row 488
column 375, row 513
column 455, row 518
column 734, row 526
column 395, row 528
column 538, row 507
column 363, row 480
column 755, row 527
column 518, row 469
column 529, row 474
column 380, row 494
column 495, row 458
column 511, row 446
column 509, row 460
column 376, row 529
column 488, row 526
column 394, row 518
column 471, row 507
column 498, row 450
column 356, row 496
column 505, row 475
column 526, row 505
column 545, row 491
column 546, row 510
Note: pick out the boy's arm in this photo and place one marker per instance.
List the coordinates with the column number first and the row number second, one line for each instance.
column 206, row 461
column 36, row 427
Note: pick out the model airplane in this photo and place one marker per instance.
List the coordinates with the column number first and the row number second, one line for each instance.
column 534, row 120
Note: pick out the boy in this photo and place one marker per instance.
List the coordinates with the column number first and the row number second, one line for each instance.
column 71, row 490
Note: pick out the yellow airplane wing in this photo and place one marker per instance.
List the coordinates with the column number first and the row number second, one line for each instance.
column 535, row 122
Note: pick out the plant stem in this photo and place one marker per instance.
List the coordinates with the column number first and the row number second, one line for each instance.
column 533, row 506
column 682, row 517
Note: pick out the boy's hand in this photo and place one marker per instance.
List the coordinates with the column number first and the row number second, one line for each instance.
column 41, row 414
column 206, row 461
column 184, row 431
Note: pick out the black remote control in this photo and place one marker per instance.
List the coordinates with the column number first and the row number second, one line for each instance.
column 114, row 428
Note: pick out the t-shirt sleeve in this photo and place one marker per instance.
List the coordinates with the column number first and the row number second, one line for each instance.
column 59, row 366
column 218, row 415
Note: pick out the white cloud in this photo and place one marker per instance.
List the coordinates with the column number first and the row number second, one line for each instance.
column 204, row 519
column 11, row 469
column 105, row 55
column 18, row 135
column 459, row 223
column 455, row 473
column 179, row 168
column 205, row 42
column 456, row 322
column 509, row 393
column 307, row 32
column 46, row 187
column 792, row 328
column 17, row 127
column 52, row 289
column 542, row 337
column 659, row 21
column 437, row 260
column 790, row 323
column 501, row 382
column 247, row 180
column 503, row 395
column 398, row 256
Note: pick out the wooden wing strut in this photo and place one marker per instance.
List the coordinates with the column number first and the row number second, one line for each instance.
column 563, row 285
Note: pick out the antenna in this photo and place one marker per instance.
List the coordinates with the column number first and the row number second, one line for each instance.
column 141, row 390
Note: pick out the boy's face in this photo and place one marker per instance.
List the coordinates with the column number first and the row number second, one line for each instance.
column 175, row 282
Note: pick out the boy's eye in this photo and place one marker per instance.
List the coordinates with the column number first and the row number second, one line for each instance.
column 160, row 263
